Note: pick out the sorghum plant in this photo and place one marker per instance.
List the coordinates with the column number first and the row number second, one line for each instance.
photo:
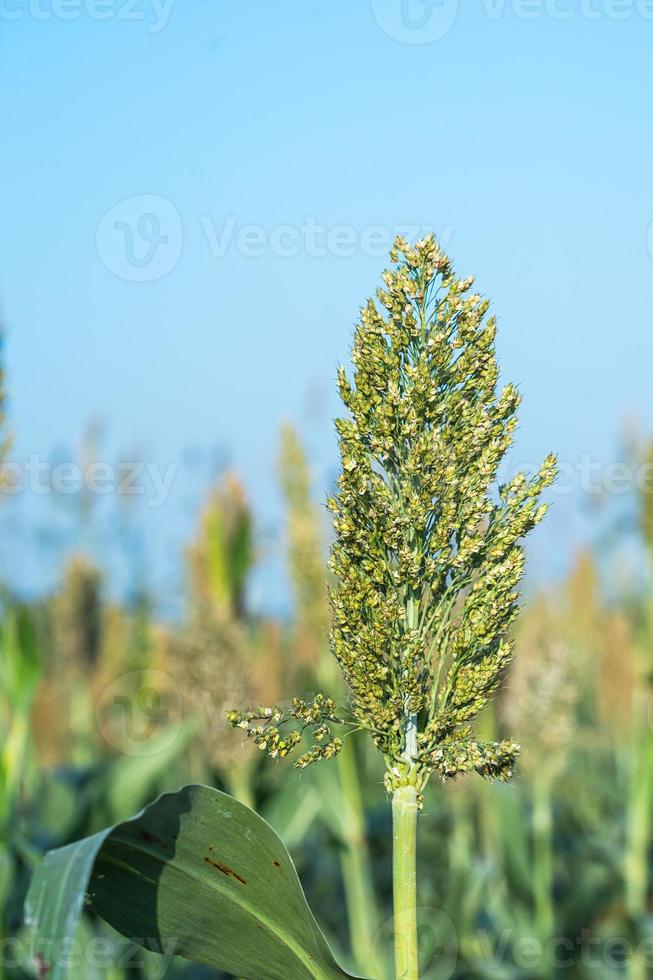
column 427, row 555
column 426, row 565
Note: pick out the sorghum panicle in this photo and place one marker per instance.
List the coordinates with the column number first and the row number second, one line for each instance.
column 427, row 558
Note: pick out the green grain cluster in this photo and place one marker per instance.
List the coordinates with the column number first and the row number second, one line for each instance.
column 427, row 557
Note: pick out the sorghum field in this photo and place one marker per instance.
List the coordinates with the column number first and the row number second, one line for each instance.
column 103, row 706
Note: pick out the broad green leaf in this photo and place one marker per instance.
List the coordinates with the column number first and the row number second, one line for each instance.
column 196, row 873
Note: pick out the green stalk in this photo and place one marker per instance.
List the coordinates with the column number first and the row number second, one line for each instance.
column 355, row 863
column 405, row 807
column 404, row 873
column 636, row 868
column 240, row 784
column 543, row 858
column 636, row 872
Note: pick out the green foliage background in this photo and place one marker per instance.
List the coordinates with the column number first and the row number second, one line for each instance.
column 102, row 707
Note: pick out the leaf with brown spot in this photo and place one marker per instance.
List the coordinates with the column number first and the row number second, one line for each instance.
column 264, row 931
column 229, row 872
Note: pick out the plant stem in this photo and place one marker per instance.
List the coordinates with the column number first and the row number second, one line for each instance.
column 355, row 861
column 543, row 870
column 404, row 868
column 636, row 866
column 240, row 785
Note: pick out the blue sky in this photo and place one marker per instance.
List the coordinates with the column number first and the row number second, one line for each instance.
column 195, row 197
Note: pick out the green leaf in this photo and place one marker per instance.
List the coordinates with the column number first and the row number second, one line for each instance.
column 197, row 874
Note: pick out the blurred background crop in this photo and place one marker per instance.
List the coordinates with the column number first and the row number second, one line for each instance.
column 197, row 197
